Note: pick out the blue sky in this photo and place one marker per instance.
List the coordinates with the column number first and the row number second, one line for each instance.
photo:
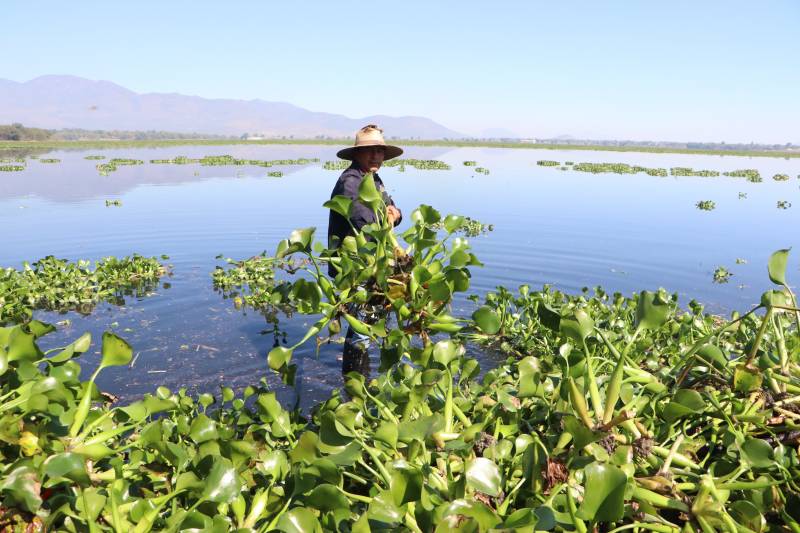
column 699, row 70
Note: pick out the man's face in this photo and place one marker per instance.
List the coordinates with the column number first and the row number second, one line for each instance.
column 369, row 158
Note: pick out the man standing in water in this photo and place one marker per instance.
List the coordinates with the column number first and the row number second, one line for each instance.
column 367, row 155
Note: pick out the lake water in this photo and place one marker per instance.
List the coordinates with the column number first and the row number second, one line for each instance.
column 570, row 229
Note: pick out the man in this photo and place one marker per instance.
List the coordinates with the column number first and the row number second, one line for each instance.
column 367, row 155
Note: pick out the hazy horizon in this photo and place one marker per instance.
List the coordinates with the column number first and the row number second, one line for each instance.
column 681, row 71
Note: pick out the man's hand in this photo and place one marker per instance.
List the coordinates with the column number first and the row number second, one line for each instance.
column 392, row 213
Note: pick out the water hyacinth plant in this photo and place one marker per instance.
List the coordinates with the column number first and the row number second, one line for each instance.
column 722, row 274
column 59, row 285
column 706, row 205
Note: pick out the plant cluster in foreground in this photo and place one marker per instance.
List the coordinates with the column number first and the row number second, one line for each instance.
column 610, row 413
column 60, row 285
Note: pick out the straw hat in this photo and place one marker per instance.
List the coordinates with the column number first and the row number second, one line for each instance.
column 370, row 135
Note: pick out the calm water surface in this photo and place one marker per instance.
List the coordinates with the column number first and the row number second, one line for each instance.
column 570, row 229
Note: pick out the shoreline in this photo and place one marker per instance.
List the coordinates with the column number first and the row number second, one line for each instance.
column 104, row 144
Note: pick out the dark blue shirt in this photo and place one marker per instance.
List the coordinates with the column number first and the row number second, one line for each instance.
column 360, row 214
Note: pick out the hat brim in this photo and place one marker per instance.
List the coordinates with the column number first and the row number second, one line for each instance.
column 390, row 152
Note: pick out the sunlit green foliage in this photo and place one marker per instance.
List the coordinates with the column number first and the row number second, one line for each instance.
column 11, row 168
column 751, row 174
column 546, row 163
column 113, row 203
column 722, row 274
column 618, row 168
column 228, row 160
column 337, row 165
column 468, row 227
column 686, row 171
column 59, row 285
column 419, row 164
column 113, row 164
column 470, row 163
column 706, row 205
column 481, row 170
column 275, row 174
column 781, row 177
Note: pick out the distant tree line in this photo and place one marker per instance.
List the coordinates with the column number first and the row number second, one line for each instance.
column 18, row 132
column 76, row 134
column 668, row 144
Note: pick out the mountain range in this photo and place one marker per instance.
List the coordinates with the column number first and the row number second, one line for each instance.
column 62, row 102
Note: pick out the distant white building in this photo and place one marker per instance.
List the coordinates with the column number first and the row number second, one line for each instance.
column 529, row 141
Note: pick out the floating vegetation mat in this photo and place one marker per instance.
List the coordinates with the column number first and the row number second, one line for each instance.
column 481, row 170
column 419, row 164
column 113, row 164
column 781, row 177
column 51, row 161
column 95, row 157
column 687, row 171
column 227, row 160
column 59, row 285
column 547, row 163
column 706, row 205
column 11, row 168
column 337, row 165
column 463, row 225
column 618, row 168
column 609, row 414
column 784, row 204
column 722, row 274
column 751, row 174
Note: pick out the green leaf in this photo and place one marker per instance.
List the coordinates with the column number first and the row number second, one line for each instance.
column 481, row 513
column 684, row 402
column 302, row 237
column 406, row 483
column 21, row 346
column 746, row 379
column 223, row 484
column 452, row 223
column 777, row 266
column 327, row 497
column 278, row 357
column 383, row 509
column 758, row 453
column 447, row 350
column 40, row 328
column 604, row 493
column 487, row 320
column 21, row 487
column 67, row 465
column 483, row 475
column 115, row 351
column 425, row 214
column 652, row 310
column 339, row 204
column 94, row 502
column 298, row 520
column 368, row 194
column 576, row 326
column 581, row 435
column 80, row 345
column 203, row 429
